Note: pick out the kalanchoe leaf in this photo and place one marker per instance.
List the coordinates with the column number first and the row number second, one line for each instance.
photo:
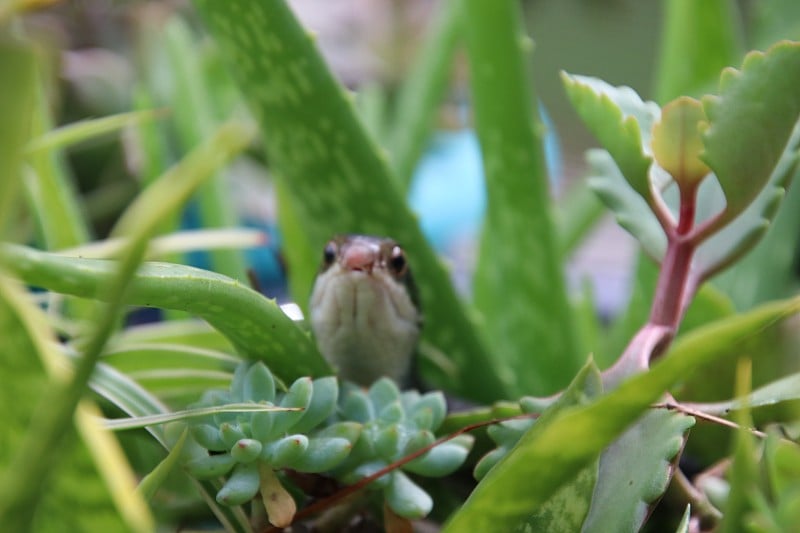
column 246, row 450
column 258, row 385
column 284, row 452
column 241, row 486
column 750, row 122
column 209, row 438
column 677, row 145
column 630, row 209
column 742, row 233
column 324, row 396
column 406, row 498
column 621, row 121
column 323, row 454
column 210, row 466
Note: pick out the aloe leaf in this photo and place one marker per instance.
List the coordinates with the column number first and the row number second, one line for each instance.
column 178, row 242
column 763, row 96
column 187, row 332
column 635, row 471
column 85, row 130
column 194, row 118
column 527, row 316
column 622, row 123
column 541, row 464
column 630, row 209
column 338, row 181
column 256, row 325
column 30, row 366
column 744, row 471
column 17, row 65
column 699, row 40
column 421, row 93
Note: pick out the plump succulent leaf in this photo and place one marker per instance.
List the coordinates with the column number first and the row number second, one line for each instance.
column 324, row 395
column 284, row 452
column 441, row 460
column 211, row 466
column 299, row 396
column 406, row 498
column 241, row 486
column 246, row 450
column 209, row 437
column 258, row 384
column 323, row 454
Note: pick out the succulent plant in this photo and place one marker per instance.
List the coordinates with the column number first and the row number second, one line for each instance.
column 395, row 425
column 370, row 430
column 251, row 446
column 506, row 434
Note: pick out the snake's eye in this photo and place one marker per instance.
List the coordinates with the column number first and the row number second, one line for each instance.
column 397, row 261
column 329, row 254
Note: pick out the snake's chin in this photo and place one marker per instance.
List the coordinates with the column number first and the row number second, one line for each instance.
column 365, row 324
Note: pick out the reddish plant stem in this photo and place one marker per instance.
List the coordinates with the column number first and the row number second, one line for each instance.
column 674, row 281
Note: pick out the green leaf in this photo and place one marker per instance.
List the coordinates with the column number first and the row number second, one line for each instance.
column 763, row 96
column 30, row 365
column 257, row 326
column 18, row 68
column 630, row 209
column 421, row 94
column 194, row 118
column 154, row 479
column 622, row 123
column 566, row 508
column 784, row 389
column 541, row 464
column 699, row 40
column 677, row 144
column 635, row 471
column 745, row 231
column 518, row 285
column 85, row 130
column 334, row 173
column 768, row 271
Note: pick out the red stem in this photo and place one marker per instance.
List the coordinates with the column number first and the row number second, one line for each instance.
column 674, row 281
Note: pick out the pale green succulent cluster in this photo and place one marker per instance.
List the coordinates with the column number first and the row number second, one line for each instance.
column 348, row 437
column 246, row 441
column 395, row 425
